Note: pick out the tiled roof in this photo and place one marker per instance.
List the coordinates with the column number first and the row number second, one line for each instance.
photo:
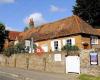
column 64, row 27
column 13, row 35
column 27, row 34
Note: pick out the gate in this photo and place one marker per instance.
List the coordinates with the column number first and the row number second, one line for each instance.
column 73, row 64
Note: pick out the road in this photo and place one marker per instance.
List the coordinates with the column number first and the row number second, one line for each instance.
column 6, row 77
column 35, row 75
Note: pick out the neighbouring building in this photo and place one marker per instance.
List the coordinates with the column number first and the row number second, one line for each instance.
column 12, row 38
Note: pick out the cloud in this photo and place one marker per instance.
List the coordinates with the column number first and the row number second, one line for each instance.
column 37, row 18
column 10, row 28
column 54, row 8
column 7, row 1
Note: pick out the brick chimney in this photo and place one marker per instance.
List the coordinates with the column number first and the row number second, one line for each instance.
column 31, row 22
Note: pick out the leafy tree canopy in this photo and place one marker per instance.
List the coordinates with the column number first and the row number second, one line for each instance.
column 26, row 28
column 14, row 49
column 3, row 34
column 88, row 10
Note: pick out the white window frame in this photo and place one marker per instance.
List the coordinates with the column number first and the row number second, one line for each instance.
column 68, row 42
column 72, row 41
column 59, row 45
column 94, row 40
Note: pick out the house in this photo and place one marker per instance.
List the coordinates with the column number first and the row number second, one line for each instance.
column 72, row 30
column 12, row 38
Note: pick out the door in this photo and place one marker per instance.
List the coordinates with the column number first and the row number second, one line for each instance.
column 73, row 64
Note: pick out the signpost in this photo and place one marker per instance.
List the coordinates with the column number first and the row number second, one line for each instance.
column 31, row 45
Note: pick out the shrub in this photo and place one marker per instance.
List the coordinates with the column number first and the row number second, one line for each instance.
column 70, row 49
column 14, row 49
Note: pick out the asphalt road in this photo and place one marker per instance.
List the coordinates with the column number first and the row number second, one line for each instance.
column 5, row 77
column 34, row 75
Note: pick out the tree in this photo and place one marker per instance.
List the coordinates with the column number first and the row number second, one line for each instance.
column 19, row 47
column 9, row 51
column 3, row 35
column 14, row 49
column 88, row 10
column 26, row 28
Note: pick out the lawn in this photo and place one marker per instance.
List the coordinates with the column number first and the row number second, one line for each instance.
column 88, row 77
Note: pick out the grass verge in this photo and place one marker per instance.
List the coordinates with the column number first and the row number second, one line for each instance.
column 88, row 77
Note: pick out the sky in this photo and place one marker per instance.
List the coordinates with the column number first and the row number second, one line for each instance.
column 15, row 14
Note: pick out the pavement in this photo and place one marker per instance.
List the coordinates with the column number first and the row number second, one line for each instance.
column 22, row 74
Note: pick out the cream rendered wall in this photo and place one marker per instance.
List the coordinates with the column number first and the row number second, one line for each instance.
column 77, row 40
column 16, row 42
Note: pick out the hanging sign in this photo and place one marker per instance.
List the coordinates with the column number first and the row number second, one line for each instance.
column 93, row 58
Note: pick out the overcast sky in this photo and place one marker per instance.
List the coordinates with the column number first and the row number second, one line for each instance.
column 16, row 13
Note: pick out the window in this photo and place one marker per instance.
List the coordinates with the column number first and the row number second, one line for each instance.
column 56, row 45
column 94, row 40
column 69, row 42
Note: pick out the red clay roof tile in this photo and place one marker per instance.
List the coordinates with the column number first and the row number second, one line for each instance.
column 13, row 35
column 64, row 27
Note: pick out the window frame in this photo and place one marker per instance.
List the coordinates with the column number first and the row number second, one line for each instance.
column 70, row 41
column 94, row 40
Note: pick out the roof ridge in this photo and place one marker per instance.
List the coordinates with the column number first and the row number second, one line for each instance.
column 15, row 31
column 70, row 25
column 77, row 22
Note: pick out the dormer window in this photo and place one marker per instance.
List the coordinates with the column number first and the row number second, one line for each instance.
column 94, row 40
